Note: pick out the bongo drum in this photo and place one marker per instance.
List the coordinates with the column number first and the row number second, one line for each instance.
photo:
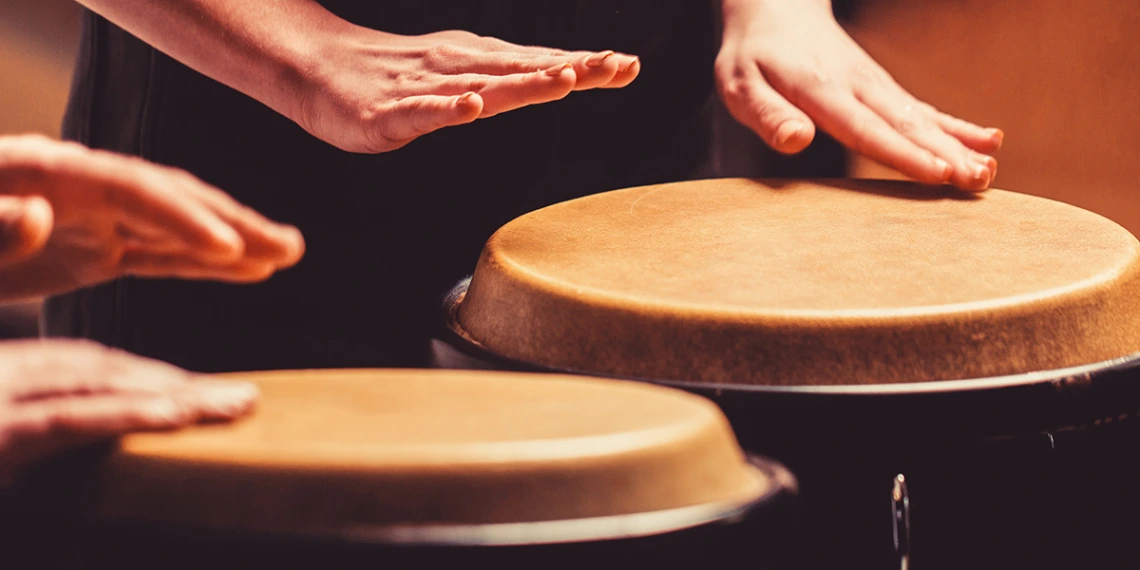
column 972, row 343
column 428, row 468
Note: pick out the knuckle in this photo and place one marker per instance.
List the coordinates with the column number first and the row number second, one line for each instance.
column 441, row 55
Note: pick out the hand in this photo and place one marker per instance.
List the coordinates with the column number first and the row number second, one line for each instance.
column 786, row 66
column 59, row 394
column 73, row 217
column 373, row 92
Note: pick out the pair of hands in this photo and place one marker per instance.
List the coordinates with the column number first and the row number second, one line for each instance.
column 72, row 217
column 784, row 69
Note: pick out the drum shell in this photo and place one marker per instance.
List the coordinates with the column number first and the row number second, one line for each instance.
column 1028, row 471
column 47, row 506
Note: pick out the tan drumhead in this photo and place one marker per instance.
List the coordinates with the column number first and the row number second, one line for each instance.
column 403, row 453
column 806, row 283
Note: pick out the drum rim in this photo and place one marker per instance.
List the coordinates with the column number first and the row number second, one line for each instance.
column 536, row 533
column 465, row 343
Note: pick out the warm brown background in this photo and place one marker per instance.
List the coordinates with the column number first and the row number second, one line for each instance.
column 1061, row 78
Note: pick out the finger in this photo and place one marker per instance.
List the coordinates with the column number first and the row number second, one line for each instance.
column 864, row 131
column 416, row 116
column 969, row 170
column 502, row 94
column 209, row 399
column 45, row 368
column 34, row 430
column 25, row 226
column 588, row 73
column 628, row 69
column 495, row 58
column 596, row 70
column 141, row 263
column 755, row 104
column 144, row 191
column 977, row 138
column 265, row 240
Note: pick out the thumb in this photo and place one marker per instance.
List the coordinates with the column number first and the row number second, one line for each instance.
column 25, row 225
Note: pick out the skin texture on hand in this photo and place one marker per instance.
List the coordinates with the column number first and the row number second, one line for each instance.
column 72, row 217
column 359, row 89
column 786, row 67
column 58, row 394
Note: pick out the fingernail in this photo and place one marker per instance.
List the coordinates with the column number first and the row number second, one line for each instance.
column 786, row 132
column 598, row 59
column 986, row 160
column 997, row 136
column 944, row 169
column 226, row 399
column 981, row 173
column 630, row 66
column 165, row 411
column 559, row 69
column 464, row 98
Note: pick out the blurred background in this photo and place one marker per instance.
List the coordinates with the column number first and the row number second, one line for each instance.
column 1060, row 77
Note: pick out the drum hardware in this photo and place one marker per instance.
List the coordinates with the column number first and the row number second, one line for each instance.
column 900, row 511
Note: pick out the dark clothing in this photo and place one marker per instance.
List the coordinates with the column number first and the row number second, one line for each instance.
column 387, row 234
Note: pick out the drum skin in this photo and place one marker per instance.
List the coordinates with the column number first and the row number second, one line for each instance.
column 364, row 451
column 356, row 468
column 797, row 283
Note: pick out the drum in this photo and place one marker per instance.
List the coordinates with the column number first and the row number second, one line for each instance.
column 404, row 468
column 970, row 358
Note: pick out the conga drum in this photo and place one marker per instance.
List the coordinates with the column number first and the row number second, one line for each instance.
column 420, row 469
column 968, row 361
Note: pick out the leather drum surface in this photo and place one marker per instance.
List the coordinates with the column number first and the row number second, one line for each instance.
column 406, row 455
column 793, row 283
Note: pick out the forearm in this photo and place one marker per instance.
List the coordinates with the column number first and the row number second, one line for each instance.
column 263, row 48
column 739, row 15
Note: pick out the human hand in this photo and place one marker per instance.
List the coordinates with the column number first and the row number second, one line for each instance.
column 58, row 394
column 73, row 217
column 373, row 92
column 787, row 66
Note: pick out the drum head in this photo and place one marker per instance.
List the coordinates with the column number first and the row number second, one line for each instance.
column 444, row 457
column 775, row 283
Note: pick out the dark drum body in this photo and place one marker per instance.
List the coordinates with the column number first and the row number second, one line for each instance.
column 952, row 378
column 1029, row 471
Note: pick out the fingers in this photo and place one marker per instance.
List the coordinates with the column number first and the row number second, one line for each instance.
column 135, row 190
column 34, row 430
column 917, row 122
column 25, row 226
column 65, row 393
column 756, row 105
column 36, row 369
column 264, row 241
column 863, row 130
column 491, row 56
column 626, row 73
column 509, row 92
column 217, row 400
column 412, row 117
column 179, row 266
column 980, row 139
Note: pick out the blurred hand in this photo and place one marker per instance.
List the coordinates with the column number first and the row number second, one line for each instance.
column 72, row 217
column 786, row 66
column 59, row 394
column 373, row 92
